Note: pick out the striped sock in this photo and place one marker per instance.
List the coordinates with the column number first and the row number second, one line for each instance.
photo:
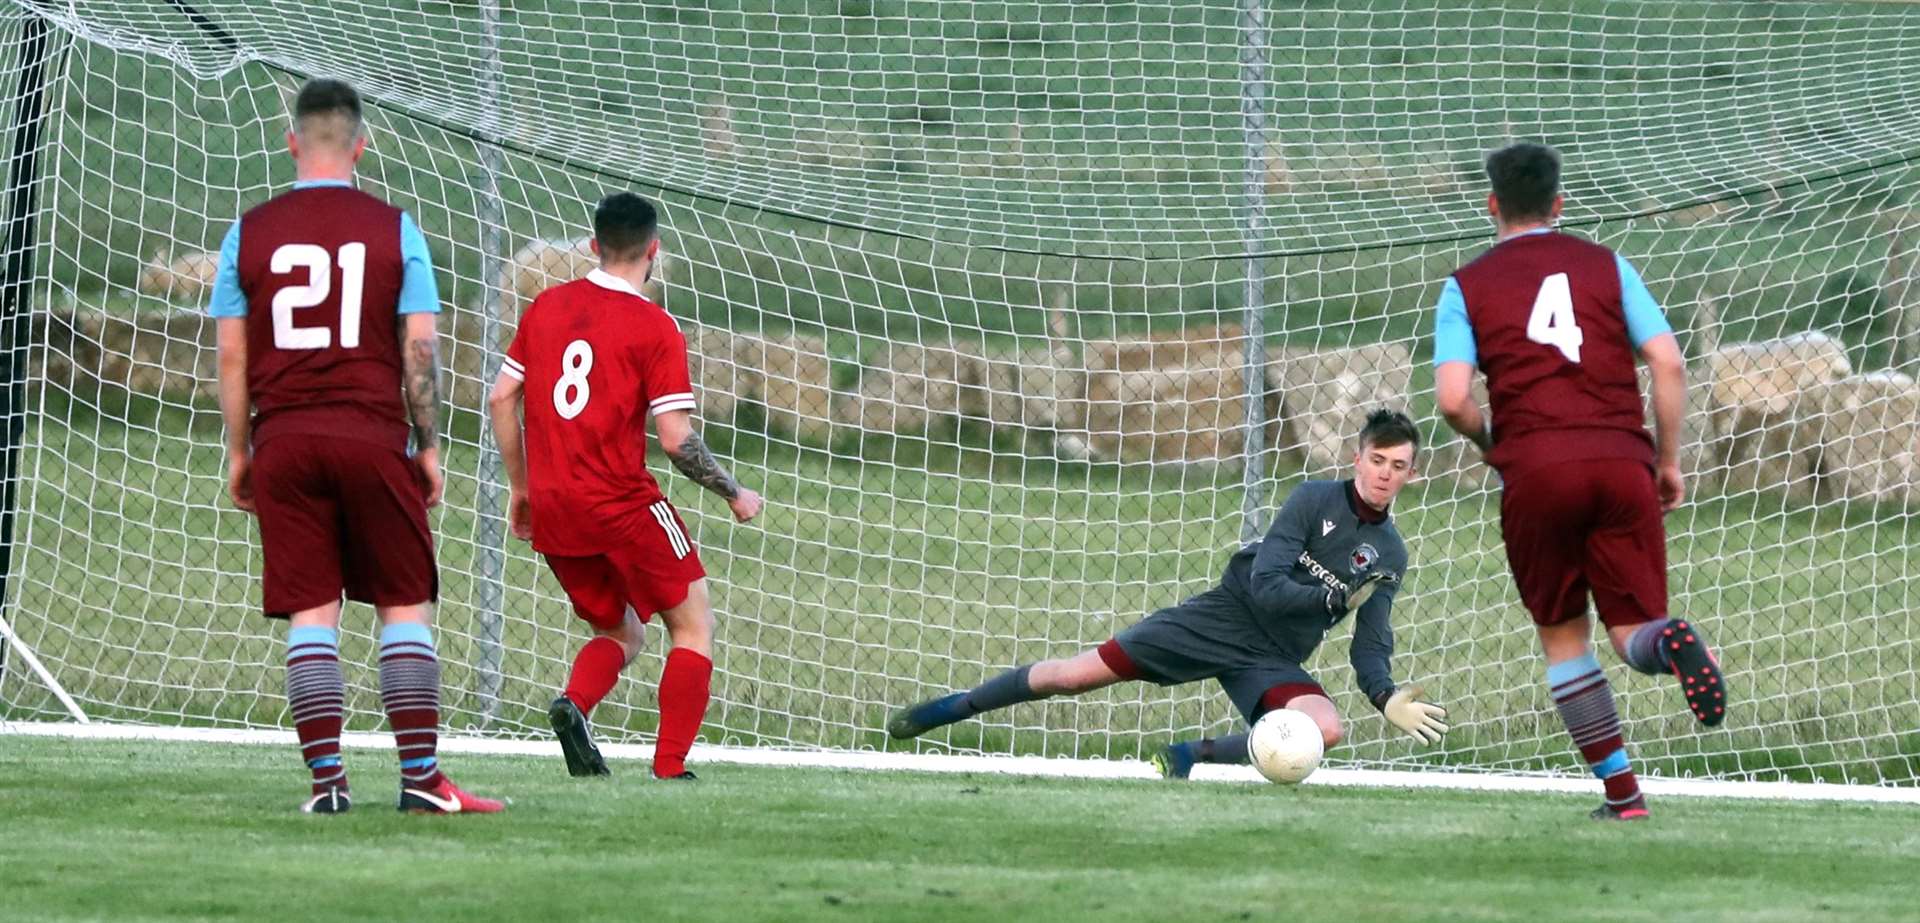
column 1585, row 701
column 317, row 697
column 1645, row 653
column 410, row 689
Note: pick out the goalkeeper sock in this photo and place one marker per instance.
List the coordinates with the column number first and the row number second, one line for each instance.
column 317, row 697
column 595, row 669
column 1229, row 749
column 1009, row 688
column 410, row 689
column 1644, row 652
column 1585, row 701
column 685, row 686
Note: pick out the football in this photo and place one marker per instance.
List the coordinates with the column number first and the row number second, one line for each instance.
column 1285, row 746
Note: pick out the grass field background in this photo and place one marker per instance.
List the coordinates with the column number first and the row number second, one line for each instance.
column 892, row 567
column 213, row 834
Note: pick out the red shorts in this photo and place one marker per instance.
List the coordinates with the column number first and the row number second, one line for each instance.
column 341, row 515
column 1587, row 526
column 649, row 575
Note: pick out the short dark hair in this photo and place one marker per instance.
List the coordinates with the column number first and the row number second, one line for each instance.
column 330, row 99
column 1525, row 178
column 624, row 224
column 1385, row 429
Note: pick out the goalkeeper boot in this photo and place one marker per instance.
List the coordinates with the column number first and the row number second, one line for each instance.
column 1635, row 811
column 1698, row 670
column 686, row 775
column 576, row 739
column 446, row 798
column 334, row 800
column 916, row 720
column 1174, row 761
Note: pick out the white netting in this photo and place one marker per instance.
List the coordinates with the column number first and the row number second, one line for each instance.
column 968, row 287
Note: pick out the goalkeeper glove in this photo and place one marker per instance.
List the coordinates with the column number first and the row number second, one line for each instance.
column 1341, row 600
column 1419, row 720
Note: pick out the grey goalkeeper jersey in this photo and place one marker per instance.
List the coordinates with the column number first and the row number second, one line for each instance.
column 1323, row 535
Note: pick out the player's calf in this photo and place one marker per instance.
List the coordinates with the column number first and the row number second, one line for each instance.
column 686, row 682
column 595, row 671
column 1094, row 669
column 1009, row 688
column 316, row 696
column 1585, row 703
column 410, row 692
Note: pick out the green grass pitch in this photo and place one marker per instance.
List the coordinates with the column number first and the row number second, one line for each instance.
column 207, row 832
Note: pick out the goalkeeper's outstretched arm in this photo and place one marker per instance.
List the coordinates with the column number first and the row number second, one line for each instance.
column 1371, row 654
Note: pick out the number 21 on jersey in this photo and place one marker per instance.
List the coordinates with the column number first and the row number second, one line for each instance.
column 318, row 264
column 571, row 392
column 1552, row 322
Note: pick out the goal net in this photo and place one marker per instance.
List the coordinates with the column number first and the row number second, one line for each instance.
column 1021, row 315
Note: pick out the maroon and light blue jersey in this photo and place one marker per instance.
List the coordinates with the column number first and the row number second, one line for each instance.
column 1553, row 320
column 322, row 274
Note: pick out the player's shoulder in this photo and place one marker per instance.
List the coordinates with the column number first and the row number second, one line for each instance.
column 653, row 320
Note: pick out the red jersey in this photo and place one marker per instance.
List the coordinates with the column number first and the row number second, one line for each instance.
column 1551, row 332
column 598, row 359
column 322, row 269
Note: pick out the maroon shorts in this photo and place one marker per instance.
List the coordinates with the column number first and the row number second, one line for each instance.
column 1587, row 526
column 340, row 515
column 650, row 574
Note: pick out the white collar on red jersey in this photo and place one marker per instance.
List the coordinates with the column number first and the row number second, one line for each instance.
column 605, row 279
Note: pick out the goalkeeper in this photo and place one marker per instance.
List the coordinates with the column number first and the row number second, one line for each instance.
column 1333, row 549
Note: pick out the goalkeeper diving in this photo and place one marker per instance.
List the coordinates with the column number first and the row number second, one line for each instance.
column 1333, row 550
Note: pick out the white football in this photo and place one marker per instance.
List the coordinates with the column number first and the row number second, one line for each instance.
column 1285, row 746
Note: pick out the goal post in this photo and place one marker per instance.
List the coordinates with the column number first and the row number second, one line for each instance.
column 1021, row 315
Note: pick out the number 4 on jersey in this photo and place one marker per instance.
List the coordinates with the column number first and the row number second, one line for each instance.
column 1552, row 321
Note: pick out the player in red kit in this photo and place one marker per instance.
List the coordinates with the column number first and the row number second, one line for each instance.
column 1554, row 321
column 592, row 361
column 325, row 303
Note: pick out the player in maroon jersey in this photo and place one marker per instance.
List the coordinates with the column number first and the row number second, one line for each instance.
column 1554, row 321
column 593, row 360
column 325, row 302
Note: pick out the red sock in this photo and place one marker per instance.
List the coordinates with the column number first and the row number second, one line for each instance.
column 595, row 669
column 683, row 705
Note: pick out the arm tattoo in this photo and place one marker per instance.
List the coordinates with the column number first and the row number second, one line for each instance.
column 693, row 460
column 422, row 385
